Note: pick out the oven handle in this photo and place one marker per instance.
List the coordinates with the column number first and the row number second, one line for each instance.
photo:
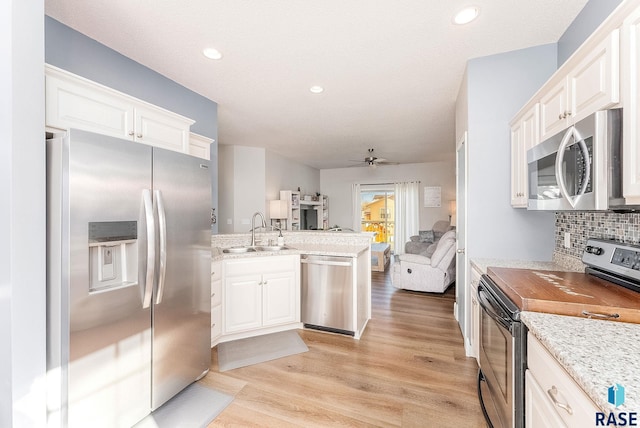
column 488, row 303
column 481, row 379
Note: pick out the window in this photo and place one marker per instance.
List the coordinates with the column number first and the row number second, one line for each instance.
column 377, row 212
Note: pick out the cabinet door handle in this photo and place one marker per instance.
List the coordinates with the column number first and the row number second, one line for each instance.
column 139, row 136
column 130, row 133
column 553, row 393
column 265, row 283
column 560, row 116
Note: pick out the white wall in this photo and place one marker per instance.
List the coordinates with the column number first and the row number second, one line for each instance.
column 336, row 184
column 285, row 174
column 249, row 177
column 498, row 86
column 22, row 215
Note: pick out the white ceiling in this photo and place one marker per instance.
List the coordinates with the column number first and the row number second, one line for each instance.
column 391, row 69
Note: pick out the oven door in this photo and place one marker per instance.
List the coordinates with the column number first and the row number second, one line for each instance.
column 496, row 361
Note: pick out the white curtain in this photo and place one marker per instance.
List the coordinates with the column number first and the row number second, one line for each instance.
column 407, row 213
column 356, row 206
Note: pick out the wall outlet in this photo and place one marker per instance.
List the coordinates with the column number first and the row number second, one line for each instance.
column 229, row 221
column 567, row 240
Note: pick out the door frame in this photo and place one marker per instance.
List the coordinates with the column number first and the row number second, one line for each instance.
column 461, row 307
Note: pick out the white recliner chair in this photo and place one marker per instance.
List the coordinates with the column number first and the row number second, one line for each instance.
column 432, row 274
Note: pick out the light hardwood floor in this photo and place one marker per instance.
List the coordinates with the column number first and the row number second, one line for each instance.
column 409, row 369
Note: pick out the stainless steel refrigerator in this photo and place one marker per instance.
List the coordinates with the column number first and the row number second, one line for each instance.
column 128, row 281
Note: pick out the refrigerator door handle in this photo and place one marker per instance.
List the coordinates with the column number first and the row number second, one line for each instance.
column 162, row 228
column 151, row 248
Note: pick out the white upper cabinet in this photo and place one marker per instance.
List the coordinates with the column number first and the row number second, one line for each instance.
column 592, row 84
column 200, row 146
column 75, row 102
column 631, row 112
column 525, row 132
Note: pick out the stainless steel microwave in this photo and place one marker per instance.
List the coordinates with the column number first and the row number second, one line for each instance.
column 579, row 168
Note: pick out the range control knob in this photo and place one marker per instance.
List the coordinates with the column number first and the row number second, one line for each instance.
column 597, row 251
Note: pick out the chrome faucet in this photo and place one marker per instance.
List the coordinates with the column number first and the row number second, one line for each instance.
column 253, row 227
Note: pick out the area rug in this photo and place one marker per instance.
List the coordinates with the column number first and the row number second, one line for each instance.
column 195, row 407
column 254, row 350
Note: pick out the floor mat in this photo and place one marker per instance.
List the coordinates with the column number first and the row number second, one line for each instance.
column 253, row 350
column 195, row 407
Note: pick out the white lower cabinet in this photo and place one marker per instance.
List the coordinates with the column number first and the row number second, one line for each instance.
column 539, row 410
column 260, row 292
column 474, row 319
column 552, row 397
column 216, row 302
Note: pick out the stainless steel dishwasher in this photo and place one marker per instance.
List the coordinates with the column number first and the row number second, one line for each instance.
column 327, row 293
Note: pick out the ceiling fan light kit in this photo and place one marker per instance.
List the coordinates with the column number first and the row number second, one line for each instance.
column 372, row 161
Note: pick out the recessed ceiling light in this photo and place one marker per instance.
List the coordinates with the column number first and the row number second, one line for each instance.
column 466, row 15
column 316, row 89
column 212, row 53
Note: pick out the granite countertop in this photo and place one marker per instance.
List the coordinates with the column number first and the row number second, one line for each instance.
column 595, row 353
column 307, row 242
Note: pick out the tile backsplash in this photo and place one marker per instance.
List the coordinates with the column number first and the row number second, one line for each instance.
column 587, row 224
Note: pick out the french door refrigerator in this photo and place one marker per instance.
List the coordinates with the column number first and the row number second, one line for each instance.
column 128, row 281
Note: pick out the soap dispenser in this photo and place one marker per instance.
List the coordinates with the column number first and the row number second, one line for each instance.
column 280, row 239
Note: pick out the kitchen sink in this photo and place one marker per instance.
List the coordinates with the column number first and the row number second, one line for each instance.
column 272, row 247
column 240, row 250
column 237, row 250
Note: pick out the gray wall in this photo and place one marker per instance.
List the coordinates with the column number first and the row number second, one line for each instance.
column 498, row 86
column 591, row 16
column 73, row 51
column 22, row 220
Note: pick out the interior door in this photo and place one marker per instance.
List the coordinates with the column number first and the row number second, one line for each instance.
column 462, row 312
column 182, row 296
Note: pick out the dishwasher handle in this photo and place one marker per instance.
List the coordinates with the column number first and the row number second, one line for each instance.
column 325, row 261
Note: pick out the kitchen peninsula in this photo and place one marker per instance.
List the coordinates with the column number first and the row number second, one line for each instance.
column 259, row 292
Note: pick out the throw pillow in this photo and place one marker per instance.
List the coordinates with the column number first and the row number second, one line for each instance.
column 426, row 236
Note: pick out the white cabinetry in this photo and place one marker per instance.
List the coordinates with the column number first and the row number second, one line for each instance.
column 631, row 112
column 525, row 133
column 200, row 146
column 474, row 316
column 216, row 302
column 592, row 84
column 293, row 208
column 72, row 101
column 552, row 398
column 261, row 292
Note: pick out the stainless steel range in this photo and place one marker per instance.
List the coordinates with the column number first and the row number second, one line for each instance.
column 609, row 289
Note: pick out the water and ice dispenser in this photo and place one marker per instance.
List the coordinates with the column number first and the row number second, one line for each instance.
column 113, row 255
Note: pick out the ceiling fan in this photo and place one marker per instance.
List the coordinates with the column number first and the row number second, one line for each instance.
column 373, row 161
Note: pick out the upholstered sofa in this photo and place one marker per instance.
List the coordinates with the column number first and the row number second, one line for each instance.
column 432, row 274
column 426, row 241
